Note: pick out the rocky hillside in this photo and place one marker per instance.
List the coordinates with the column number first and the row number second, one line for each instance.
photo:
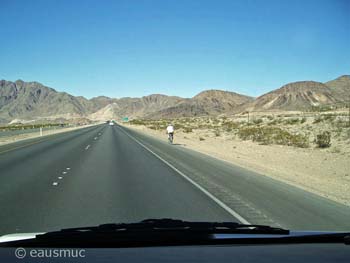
column 218, row 101
column 210, row 102
column 340, row 88
column 303, row 95
column 27, row 99
column 136, row 107
column 32, row 100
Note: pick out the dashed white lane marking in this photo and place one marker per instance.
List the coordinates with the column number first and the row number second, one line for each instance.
column 68, row 168
column 87, row 147
column 54, row 183
column 216, row 200
column 60, row 177
column 64, row 172
column 95, row 138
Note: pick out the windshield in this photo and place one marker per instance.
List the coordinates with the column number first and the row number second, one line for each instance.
column 216, row 111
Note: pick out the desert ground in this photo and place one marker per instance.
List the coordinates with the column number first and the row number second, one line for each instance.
column 306, row 149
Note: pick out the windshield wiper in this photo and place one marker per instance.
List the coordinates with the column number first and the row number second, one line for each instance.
column 159, row 232
column 164, row 225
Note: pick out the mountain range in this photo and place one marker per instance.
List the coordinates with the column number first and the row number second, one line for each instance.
column 32, row 100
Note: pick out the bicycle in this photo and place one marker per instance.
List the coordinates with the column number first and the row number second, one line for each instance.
column 171, row 137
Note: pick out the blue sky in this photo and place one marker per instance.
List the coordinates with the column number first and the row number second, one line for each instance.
column 136, row 48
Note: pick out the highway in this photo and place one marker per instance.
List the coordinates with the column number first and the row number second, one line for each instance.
column 110, row 174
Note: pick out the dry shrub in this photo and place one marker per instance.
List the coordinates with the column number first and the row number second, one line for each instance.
column 323, row 140
column 273, row 135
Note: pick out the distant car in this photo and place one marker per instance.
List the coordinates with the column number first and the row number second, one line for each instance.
column 111, row 123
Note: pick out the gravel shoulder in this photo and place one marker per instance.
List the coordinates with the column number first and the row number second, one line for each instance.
column 320, row 171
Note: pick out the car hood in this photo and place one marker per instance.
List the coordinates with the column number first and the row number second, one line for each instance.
column 23, row 236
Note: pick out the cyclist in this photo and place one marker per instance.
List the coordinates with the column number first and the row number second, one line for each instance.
column 170, row 131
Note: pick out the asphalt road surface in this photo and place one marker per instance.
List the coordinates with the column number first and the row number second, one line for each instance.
column 105, row 174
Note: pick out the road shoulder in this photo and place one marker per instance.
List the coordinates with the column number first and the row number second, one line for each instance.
column 322, row 173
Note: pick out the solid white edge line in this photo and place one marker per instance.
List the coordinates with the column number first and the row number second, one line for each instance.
column 216, row 200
